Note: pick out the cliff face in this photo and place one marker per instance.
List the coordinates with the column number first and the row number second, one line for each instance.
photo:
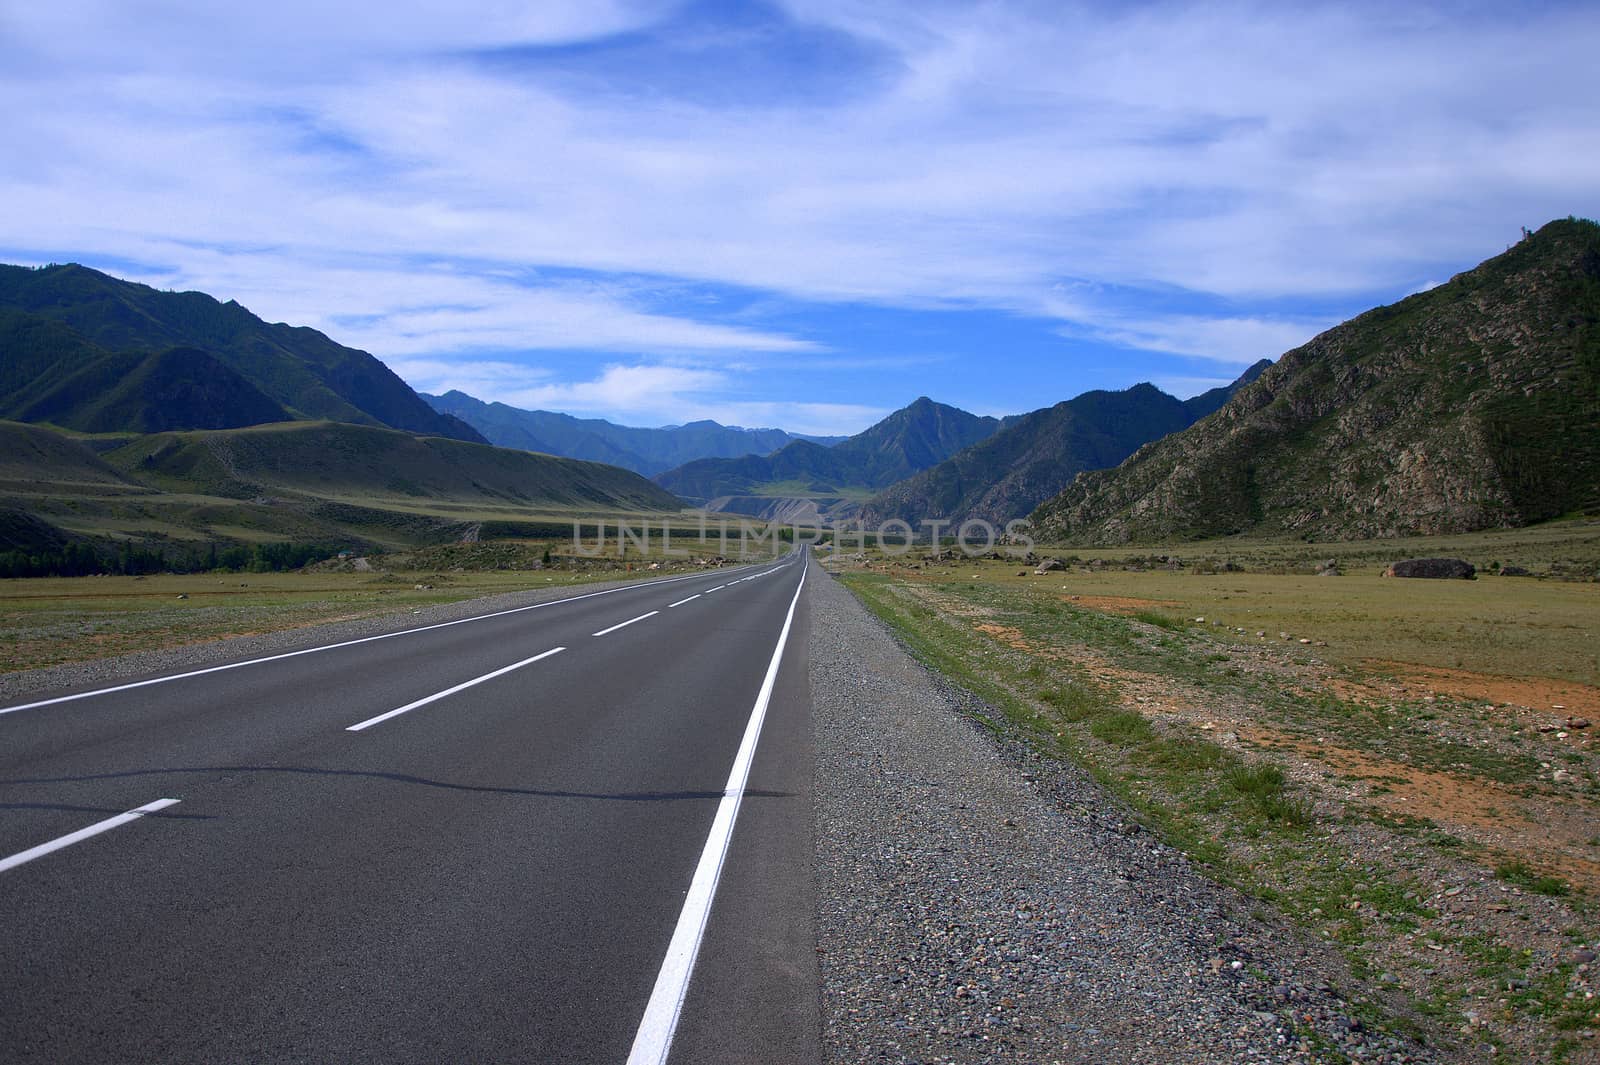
column 1472, row 405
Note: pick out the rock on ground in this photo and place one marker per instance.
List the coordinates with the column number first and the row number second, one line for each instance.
column 1437, row 568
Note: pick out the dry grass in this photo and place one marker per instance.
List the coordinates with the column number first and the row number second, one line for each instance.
column 1389, row 763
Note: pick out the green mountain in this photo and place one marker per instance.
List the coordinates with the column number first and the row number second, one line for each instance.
column 135, row 391
column 69, row 336
column 646, row 451
column 1473, row 405
column 910, row 439
column 1038, row 454
column 176, row 495
column 339, row 460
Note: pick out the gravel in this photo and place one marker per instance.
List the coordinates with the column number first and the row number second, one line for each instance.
column 979, row 903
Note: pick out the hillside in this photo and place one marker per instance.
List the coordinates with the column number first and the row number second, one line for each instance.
column 298, row 488
column 67, row 333
column 1038, row 454
column 337, row 460
column 32, row 455
column 911, row 439
column 646, row 451
column 1473, row 405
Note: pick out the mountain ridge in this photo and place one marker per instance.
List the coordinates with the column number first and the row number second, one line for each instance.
column 1035, row 455
column 918, row 435
column 648, row 451
column 61, row 321
column 1475, row 404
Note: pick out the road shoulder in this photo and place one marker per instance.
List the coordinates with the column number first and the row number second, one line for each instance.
column 977, row 903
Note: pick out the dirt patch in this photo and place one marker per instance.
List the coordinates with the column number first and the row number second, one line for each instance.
column 1117, row 604
column 1549, row 832
column 1010, row 636
column 1560, row 697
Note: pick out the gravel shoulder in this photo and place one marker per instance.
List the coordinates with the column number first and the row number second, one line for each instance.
column 980, row 903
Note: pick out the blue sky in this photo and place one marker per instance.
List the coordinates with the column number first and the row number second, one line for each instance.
column 795, row 214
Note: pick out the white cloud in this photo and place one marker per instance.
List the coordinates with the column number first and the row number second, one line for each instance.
column 350, row 167
column 1230, row 341
column 816, row 419
column 639, row 391
column 1207, row 148
column 639, row 394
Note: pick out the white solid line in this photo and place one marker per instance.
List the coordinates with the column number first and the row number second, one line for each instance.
column 436, row 696
column 625, row 624
column 680, row 602
column 84, row 833
column 336, row 646
column 654, row 1038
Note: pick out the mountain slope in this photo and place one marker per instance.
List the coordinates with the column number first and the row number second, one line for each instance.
column 646, row 451
column 63, row 318
column 910, row 439
column 131, row 391
column 33, row 455
column 1037, row 454
column 1475, row 404
column 339, row 460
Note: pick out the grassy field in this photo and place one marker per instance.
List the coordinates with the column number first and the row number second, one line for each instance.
column 48, row 621
column 1401, row 766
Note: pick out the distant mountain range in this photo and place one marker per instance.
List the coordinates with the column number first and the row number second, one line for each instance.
column 1036, row 455
column 646, row 451
column 209, row 425
column 1473, row 405
column 87, row 351
column 911, row 439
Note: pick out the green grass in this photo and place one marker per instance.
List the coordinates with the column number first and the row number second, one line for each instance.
column 1122, row 728
column 1517, row 872
column 1163, row 621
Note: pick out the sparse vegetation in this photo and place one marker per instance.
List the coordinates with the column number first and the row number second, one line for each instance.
column 1366, row 755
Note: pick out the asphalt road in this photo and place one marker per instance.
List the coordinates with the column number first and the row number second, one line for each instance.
column 496, row 874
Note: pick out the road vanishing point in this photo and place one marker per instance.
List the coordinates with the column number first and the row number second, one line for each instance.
column 575, row 831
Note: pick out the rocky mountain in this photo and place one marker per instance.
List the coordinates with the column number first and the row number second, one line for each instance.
column 1038, row 454
column 910, row 439
column 82, row 349
column 646, row 451
column 1472, row 405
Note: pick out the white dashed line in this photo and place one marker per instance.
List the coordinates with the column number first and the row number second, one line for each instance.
column 436, row 696
column 625, row 624
column 84, row 833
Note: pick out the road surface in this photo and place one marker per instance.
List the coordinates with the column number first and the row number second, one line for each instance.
column 573, row 832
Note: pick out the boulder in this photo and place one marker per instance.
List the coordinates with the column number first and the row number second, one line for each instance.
column 1514, row 571
column 1050, row 564
column 1436, row 568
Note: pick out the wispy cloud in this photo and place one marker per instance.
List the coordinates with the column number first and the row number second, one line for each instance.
column 1231, row 341
column 428, row 184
